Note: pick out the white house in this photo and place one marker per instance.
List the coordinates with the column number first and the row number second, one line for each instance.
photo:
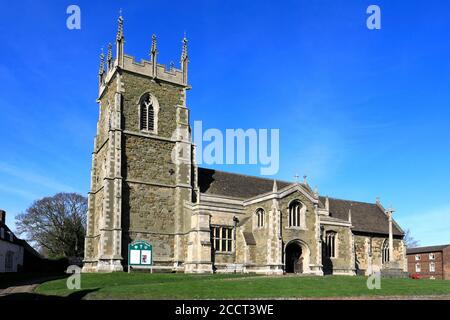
column 11, row 248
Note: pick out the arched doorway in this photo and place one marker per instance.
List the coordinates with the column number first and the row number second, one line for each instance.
column 294, row 258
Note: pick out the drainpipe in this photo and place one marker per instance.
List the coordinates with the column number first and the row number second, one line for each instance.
column 235, row 220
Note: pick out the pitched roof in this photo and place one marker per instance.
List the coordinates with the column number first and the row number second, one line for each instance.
column 234, row 185
column 8, row 231
column 426, row 249
column 366, row 217
column 17, row 240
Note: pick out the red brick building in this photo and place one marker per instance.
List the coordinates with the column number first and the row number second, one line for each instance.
column 430, row 262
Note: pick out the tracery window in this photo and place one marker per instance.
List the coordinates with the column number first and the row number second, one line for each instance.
column 148, row 113
column 295, row 214
column 260, row 218
column 330, row 244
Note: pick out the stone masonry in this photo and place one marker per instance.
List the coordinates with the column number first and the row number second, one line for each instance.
column 146, row 185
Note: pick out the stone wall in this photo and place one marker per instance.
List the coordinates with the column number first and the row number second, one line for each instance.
column 307, row 235
column 364, row 260
column 147, row 160
column 259, row 252
column 342, row 262
column 168, row 95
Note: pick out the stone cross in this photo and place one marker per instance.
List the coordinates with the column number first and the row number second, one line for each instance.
column 389, row 213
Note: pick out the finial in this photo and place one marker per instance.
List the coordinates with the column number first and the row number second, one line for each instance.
column 350, row 214
column 316, row 192
column 378, row 200
column 102, row 63
column 109, row 57
column 172, row 66
column 120, row 26
column 184, row 53
column 275, row 186
column 154, row 51
column 327, row 203
column 305, row 179
column 184, row 61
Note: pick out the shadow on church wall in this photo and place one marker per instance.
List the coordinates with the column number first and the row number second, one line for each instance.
column 327, row 265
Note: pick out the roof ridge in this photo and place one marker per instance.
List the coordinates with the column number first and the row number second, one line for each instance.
column 250, row 176
column 338, row 199
column 431, row 246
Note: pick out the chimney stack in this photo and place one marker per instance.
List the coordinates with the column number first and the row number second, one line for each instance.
column 3, row 216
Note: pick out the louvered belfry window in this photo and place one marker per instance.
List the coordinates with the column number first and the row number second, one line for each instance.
column 147, row 113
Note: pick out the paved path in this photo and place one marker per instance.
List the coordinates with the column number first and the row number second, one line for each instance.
column 26, row 286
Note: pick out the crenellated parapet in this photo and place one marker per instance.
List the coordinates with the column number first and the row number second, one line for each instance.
column 148, row 68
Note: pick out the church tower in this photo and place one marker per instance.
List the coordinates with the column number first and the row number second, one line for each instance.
column 143, row 178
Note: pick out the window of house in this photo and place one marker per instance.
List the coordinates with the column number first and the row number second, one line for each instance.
column 222, row 238
column 295, row 214
column 148, row 113
column 432, row 267
column 10, row 236
column 9, row 258
column 260, row 218
column 417, row 267
column 330, row 244
column 417, row 257
column 431, row 256
column 2, row 233
column 385, row 252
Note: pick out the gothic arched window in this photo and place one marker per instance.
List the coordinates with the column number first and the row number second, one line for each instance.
column 330, row 244
column 260, row 218
column 385, row 251
column 148, row 109
column 296, row 214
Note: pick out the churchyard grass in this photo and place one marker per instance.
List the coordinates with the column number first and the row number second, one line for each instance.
column 181, row 286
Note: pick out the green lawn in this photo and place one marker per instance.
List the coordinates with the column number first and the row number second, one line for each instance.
column 179, row 286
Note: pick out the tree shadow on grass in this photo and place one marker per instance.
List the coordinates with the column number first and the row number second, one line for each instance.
column 77, row 295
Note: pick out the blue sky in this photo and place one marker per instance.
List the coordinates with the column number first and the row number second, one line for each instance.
column 363, row 113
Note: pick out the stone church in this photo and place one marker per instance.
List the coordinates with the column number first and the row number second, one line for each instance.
column 146, row 185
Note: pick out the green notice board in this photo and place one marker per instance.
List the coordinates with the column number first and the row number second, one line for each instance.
column 140, row 254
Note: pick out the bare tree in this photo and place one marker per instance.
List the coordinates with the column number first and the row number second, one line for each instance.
column 410, row 241
column 56, row 224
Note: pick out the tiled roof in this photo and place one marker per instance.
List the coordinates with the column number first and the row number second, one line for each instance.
column 16, row 240
column 426, row 249
column 234, row 185
column 366, row 217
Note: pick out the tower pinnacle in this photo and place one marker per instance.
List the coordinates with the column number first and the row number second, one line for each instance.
column 153, row 53
column 120, row 27
column 109, row 57
column 101, row 70
column 120, row 41
column 184, row 59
